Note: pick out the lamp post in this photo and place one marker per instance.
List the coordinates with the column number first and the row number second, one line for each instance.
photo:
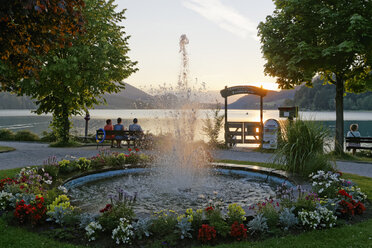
column 86, row 118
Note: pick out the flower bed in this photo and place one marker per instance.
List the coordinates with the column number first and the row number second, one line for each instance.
column 35, row 198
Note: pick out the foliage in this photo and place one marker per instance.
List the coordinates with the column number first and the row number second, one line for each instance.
column 216, row 219
column 110, row 219
column 123, row 233
column 184, row 228
column 30, row 213
column 5, row 200
column 60, row 201
column 258, row 225
column 212, row 126
column 348, row 206
column 73, row 79
column 287, row 218
column 320, row 218
column 206, row 234
column 235, row 213
column 30, row 28
column 92, row 230
column 6, row 134
column 26, row 135
column 163, row 223
column 269, row 209
column 238, row 231
column 301, row 148
column 326, row 184
column 142, row 227
column 333, row 42
column 322, row 97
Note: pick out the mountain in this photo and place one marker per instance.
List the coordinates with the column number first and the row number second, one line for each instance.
column 272, row 100
column 129, row 98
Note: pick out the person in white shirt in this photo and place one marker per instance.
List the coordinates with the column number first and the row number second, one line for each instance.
column 353, row 133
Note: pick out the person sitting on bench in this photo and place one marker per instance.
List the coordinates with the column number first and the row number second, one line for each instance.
column 135, row 127
column 353, row 133
column 109, row 127
column 119, row 127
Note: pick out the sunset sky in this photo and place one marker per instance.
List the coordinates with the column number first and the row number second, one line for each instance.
column 224, row 47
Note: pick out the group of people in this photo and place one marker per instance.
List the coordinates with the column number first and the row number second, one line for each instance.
column 120, row 127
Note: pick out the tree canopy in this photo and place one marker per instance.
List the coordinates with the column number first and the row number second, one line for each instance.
column 73, row 78
column 331, row 39
column 29, row 28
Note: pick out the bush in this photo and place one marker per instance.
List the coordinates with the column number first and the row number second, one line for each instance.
column 301, row 147
column 26, row 135
column 48, row 137
column 111, row 218
column 6, row 134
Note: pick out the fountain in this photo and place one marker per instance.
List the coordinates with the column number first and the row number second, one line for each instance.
column 181, row 175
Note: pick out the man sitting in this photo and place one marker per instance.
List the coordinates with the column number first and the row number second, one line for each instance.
column 135, row 127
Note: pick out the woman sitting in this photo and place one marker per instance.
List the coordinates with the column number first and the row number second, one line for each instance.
column 119, row 127
column 109, row 127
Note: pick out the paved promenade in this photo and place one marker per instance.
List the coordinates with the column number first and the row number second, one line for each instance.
column 36, row 153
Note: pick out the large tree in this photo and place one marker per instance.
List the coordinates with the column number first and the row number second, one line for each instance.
column 73, row 78
column 329, row 38
column 29, row 28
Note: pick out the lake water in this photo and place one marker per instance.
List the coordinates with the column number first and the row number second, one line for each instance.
column 159, row 120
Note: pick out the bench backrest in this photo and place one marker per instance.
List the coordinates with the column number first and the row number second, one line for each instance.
column 120, row 132
column 359, row 139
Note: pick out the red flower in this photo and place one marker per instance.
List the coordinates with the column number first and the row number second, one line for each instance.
column 206, row 233
column 238, row 231
column 208, row 209
column 137, row 150
column 129, row 149
column 108, row 207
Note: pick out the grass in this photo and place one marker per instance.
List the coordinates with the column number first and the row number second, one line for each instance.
column 267, row 165
column 6, row 149
column 358, row 235
column 358, row 157
column 12, row 237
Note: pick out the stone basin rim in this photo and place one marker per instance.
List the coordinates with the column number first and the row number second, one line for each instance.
column 269, row 172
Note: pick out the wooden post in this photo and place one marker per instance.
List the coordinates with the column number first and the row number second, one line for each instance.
column 226, row 128
column 261, row 118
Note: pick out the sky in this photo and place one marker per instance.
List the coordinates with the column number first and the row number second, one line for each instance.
column 224, row 48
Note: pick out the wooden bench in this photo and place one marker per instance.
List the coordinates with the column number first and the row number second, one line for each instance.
column 134, row 138
column 243, row 133
column 358, row 140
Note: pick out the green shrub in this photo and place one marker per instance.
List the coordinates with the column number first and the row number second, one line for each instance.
column 164, row 223
column 111, row 218
column 6, row 134
column 48, row 137
column 25, row 135
column 215, row 218
column 301, row 147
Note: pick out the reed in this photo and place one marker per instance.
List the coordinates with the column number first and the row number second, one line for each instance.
column 302, row 147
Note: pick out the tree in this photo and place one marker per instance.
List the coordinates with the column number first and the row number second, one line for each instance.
column 332, row 39
column 74, row 78
column 29, row 28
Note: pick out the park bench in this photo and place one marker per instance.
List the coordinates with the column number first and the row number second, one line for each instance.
column 361, row 141
column 133, row 138
column 243, row 133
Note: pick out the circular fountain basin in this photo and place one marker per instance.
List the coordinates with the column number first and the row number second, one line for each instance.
column 223, row 184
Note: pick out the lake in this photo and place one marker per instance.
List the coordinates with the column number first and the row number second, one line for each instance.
column 158, row 120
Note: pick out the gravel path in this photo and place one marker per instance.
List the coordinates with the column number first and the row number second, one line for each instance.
column 29, row 153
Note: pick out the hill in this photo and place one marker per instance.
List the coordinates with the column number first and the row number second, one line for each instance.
column 272, row 100
column 129, row 98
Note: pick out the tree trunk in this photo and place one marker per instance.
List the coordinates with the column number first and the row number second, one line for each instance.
column 65, row 125
column 339, row 141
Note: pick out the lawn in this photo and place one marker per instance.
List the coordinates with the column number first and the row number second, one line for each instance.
column 6, row 149
column 358, row 235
